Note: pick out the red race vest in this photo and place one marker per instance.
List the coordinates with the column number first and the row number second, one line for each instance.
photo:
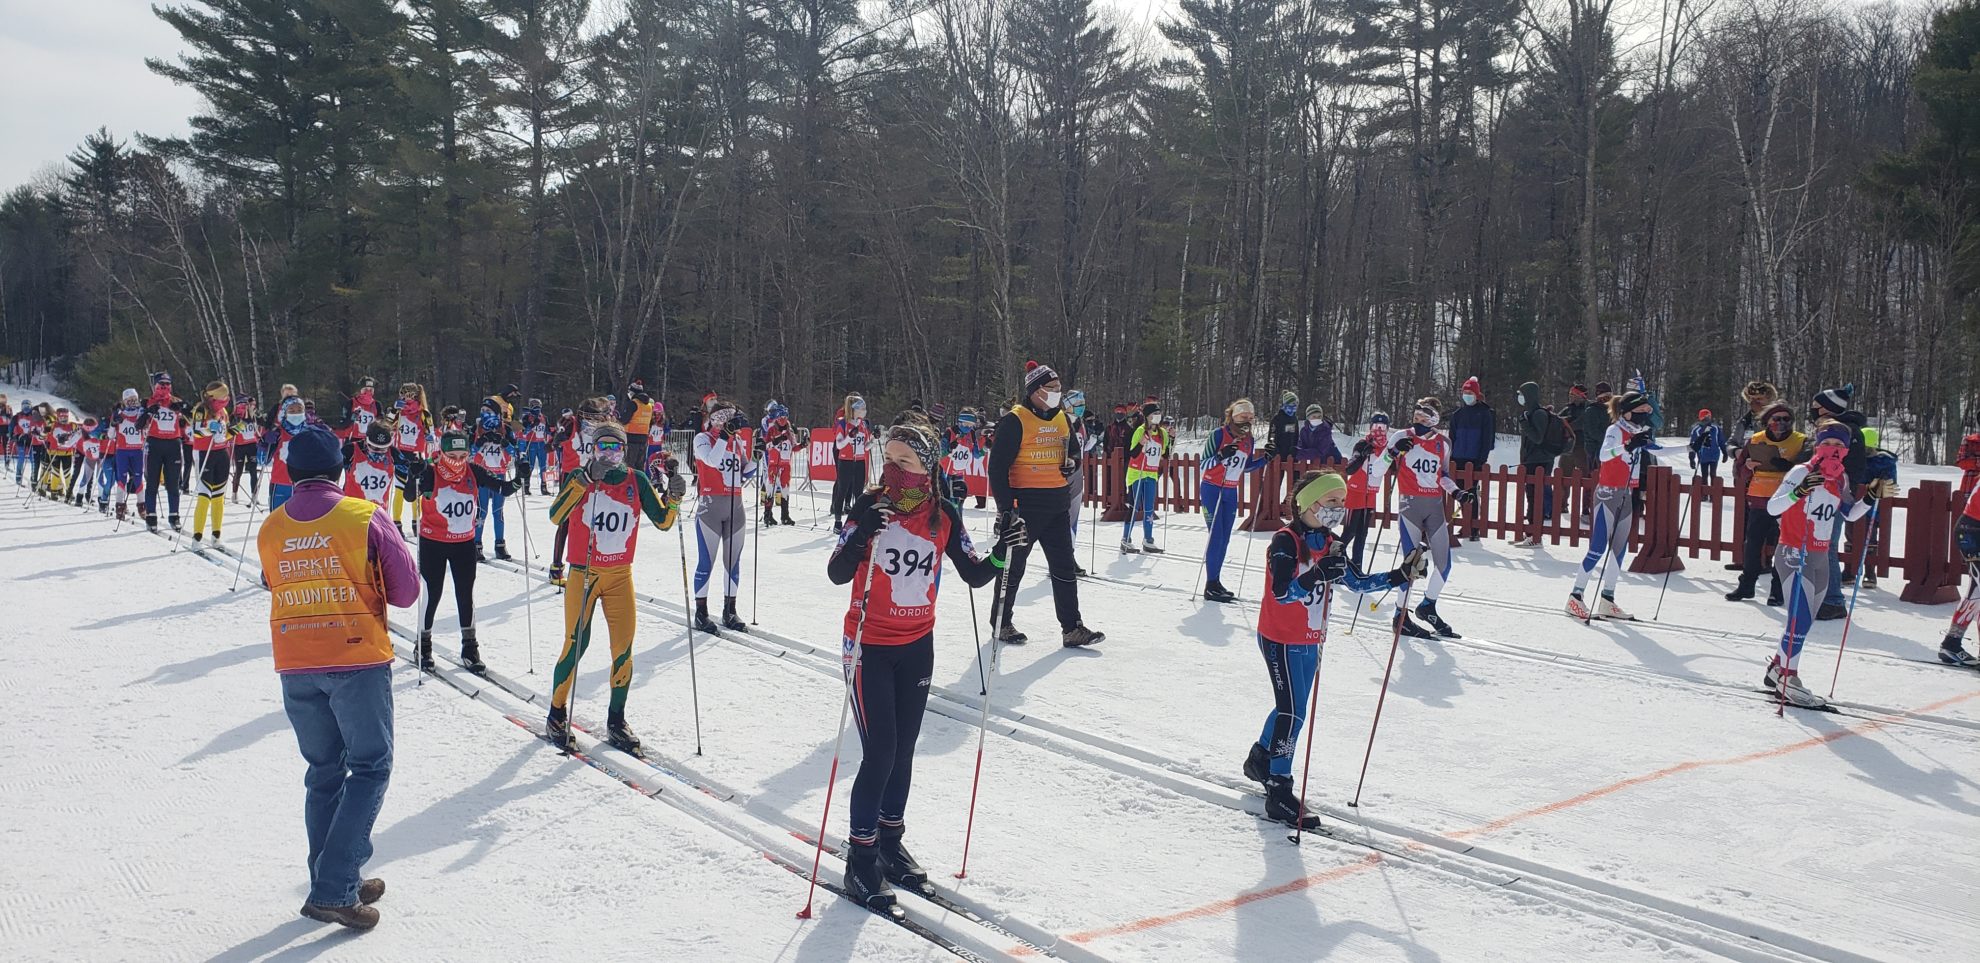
column 1228, row 472
column 447, row 513
column 905, row 561
column 165, row 423
column 369, row 477
column 724, row 478
column 1423, row 465
column 495, row 458
column 605, row 527
column 1300, row 622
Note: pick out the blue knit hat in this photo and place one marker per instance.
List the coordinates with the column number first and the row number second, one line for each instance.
column 315, row 453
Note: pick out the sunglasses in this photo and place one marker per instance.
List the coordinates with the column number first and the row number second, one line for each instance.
column 609, row 446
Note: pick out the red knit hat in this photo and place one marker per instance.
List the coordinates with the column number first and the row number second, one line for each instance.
column 1471, row 385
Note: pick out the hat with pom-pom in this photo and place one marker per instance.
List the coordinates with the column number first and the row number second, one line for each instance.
column 1037, row 376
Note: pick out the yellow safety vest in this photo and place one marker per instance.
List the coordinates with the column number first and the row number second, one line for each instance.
column 1042, row 450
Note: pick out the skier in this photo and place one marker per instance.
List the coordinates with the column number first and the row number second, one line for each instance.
column 890, row 643
column 1812, row 497
column 247, row 442
column 1966, row 534
column 1084, row 440
column 1834, row 404
column 212, row 429
column 1423, row 479
column 1708, row 446
column 849, row 455
column 369, row 467
column 493, row 450
column 1148, row 447
column 445, row 493
column 779, row 443
column 966, row 451
column 1031, row 460
column 1968, row 461
column 291, row 419
column 410, row 442
column 1765, row 458
column 1303, row 562
column 1229, row 456
column 165, row 426
column 364, row 410
column 91, row 448
column 571, row 445
column 127, row 428
column 603, row 502
column 1616, row 480
column 64, row 440
column 721, row 466
column 535, row 439
column 1367, row 472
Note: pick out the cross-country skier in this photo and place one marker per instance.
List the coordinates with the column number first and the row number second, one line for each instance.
column 892, row 556
column 779, row 444
column 1367, row 472
column 966, row 452
column 849, row 452
column 1966, row 534
column 445, row 492
column 247, row 444
column 1810, row 500
column 1086, row 439
column 721, row 466
column 1765, row 458
column 91, row 450
column 602, row 504
column 65, row 436
column 212, row 429
column 1617, row 475
column 364, row 409
column 1304, row 561
column 292, row 418
column 1423, row 477
column 127, row 424
column 535, row 439
column 165, row 429
column 1149, row 446
column 493, row 446
column 370, row 472
column 414, row 420
column 1231, row 454
column 1031, row 462
column 570, row 445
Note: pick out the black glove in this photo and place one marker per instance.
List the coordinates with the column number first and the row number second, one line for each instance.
column 596, row 470
column 1364, row 447
column 1465, row 496
column 1329, row 567
column 1227, row 451
column 1808, row 484
column 511, row 486
column 877, row 515
column 1403, row 444
column 1636, row 440
column 1011, row 537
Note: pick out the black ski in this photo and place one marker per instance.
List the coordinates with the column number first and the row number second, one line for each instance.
column 1776, row 696
column 929, row 892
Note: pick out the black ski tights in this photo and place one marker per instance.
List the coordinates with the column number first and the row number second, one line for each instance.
column 435, row 558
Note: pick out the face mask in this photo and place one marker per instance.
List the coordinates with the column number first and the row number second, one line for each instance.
column 1423, row 429
column 1333, row 516
column 1079, row 411
column 294, row 419
column 1052, row 398
column 1120, row 416
column 1155, row 419
column 489, row 421
column 1519, row 398
column 610, row 454
column 1639, row 418
column 1288, row 409
column 907, row 490
column 1471, row 399
column 1315, row 422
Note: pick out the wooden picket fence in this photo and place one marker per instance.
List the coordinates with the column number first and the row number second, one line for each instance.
column 1695, row 518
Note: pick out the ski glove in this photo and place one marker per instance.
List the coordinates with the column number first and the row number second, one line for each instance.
column 1327, row 568
column 1227, row 451
column 596, row 470
column 1363, row 447
column 1808, row 484
column 1402, row 445
column 1464, row 496
column 1011, row 537
column 1415, row 565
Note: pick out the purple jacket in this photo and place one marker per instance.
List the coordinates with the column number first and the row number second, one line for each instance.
column 1317, row 444
column 314, row 498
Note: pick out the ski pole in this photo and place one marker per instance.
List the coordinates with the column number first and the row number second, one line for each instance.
column 199, row 469
column 756, row 546
column 851, row 669
column 246, row 533
column 687, row 607
column 1684, row 513
column 1862, row 559
column 580, row 633
column 1312, row 708
column 1250, row 544
column 1395, row 642
column 1603, row 573
column 1203, row 562
column 982, row 726
column 529, row 594
column 1377, row 550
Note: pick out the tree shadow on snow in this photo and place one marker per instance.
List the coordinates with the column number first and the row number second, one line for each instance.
column 1289, row 927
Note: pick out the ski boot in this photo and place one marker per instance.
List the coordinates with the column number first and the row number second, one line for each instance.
column 1578, row 610
column 784, row 509
column 558, row 726
column 502, row 550
column 702, row 623
column 1150, row 547
column 1410, row 629
column 103, row 508
column 1830, row 612
column 1216, row 592
column 1009, row 635
column 1427, row 611
column 122, row 511
column 425, row 652
column 557, row 575
column 151, row 522
column 480, row 556
column 471, row 653
column 1788, row 684
column 620, row 735
column 1952, row 653
column 1127, row 547
column 173, row 520
column 1281, row 806
column 897, row 863
column 198, row 542
column 769, row 516
column 730, row 620
column 1607, row 609
column 1258, row 764
column 1774, row 599
column 866, row 881
column 1079, row 635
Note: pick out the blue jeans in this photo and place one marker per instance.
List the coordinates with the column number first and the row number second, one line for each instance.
column 343, row 723
column 1141, row 498
column 1220, row 513
column 489, row 497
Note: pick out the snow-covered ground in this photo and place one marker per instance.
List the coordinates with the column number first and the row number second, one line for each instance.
column 1539, row 790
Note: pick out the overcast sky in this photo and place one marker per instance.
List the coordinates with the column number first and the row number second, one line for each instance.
column 68, row 67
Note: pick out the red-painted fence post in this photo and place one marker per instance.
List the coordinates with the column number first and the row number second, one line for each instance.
column 1661, row 519
column 1931, row 564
